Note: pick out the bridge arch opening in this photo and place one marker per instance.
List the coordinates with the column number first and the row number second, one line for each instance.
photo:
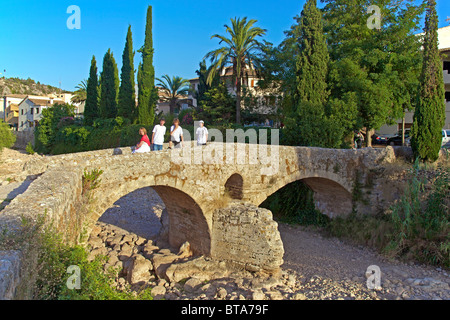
column 234, row 186
column 164, row 212
column 327, row 196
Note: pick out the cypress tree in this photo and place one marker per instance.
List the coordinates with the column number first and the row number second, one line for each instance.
column 147, row 94
column 91, row 111
column 127, row 94
column 109, row 87
column 429, row 115
column 312, row 62
column 307, row 125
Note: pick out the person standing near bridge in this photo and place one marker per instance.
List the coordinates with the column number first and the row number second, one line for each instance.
column 202, row 134
column 176, row 135
column 158, row 135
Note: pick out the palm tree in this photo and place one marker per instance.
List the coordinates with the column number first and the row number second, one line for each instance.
column 174, row 89
column 80, row 94
column 240, row 51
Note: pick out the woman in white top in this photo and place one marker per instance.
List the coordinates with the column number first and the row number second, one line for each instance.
column 176, row 135
column 202, row 134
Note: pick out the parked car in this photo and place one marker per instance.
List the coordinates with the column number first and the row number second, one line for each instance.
column 397, row 139
column 446, row 138
column 379, row 139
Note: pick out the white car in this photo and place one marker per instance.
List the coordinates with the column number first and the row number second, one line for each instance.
column 446, row 137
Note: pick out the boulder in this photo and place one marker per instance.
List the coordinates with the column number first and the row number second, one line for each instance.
column 158, row 292
column 139, row 271
column 201, row 268
column 192, row 285
column 161, row 262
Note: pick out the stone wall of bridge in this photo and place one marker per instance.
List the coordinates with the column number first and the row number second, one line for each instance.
column 202, row 197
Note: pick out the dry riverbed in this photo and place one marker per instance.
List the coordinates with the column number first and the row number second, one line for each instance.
column 315, row 267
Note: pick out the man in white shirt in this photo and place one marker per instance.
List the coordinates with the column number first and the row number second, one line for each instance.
column 158, row 136
column 202, row 134
column 176, row 135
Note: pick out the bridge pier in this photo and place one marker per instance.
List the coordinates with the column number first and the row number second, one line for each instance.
column 248, row 237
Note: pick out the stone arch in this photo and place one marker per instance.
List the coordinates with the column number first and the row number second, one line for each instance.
column 186, row 219
column 330, row 196
column 235, row 186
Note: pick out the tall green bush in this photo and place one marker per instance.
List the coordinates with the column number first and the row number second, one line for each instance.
column 53, row 119
column 7, row 137
column 429, row 116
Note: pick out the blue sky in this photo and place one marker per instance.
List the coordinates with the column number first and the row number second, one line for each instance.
column 35, row 41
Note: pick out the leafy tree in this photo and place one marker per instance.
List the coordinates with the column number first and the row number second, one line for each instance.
column 217, row 106
column 109, row 87
column 376, row 68
column 173, row 90
column 148, row 94
column 429, row 115
column 241, row 50
column 127, row 93
column 91, row 111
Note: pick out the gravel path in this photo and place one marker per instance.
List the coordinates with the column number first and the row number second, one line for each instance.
column 310, row 254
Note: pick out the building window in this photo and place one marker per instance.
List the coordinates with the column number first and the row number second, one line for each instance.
column 447, row 65
column 22, row 111
column 37, row 110
column 31, row 110
column 447, row 96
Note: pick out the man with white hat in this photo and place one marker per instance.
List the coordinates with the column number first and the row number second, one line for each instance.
column 202, row 134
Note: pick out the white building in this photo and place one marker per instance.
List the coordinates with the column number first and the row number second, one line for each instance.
column 30, row 110
column 6, row 102
column 444, row 48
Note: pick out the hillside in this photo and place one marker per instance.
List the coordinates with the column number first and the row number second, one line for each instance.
column 28, row 86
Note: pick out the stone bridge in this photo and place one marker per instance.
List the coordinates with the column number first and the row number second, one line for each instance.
column 200, row 186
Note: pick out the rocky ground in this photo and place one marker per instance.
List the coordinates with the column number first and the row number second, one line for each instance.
column 315, row 267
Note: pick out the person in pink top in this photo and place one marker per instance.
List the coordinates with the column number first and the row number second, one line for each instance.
column 144, row 145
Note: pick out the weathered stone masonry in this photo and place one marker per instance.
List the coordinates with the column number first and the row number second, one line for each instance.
column 219, row 218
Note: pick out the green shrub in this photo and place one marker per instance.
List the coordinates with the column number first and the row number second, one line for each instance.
column 29, row 148
column 44, row 271
column 91, row 180
column 422, row 220
column 418, row 228
column 53, row 120
column 7, row 137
